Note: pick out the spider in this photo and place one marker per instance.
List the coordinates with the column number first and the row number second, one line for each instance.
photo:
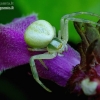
column 41, row 36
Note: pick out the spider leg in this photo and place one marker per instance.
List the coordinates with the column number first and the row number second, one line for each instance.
column 59, row 34
column 37, row 49
column 70, row 17
column 41, row 61
column 63, row 33
column 79, row 13
column 54, row 31
column 82, row 20
column 34, row 70
column 64, row 30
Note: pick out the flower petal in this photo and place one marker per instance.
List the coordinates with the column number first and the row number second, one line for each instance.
column 13, row 49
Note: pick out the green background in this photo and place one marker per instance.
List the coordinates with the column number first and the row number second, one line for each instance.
column 52, row 11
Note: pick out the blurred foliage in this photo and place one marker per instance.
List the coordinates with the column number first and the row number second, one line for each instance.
column 50, row 10
column 10, row 91
column 8, row 15
column 53, row 10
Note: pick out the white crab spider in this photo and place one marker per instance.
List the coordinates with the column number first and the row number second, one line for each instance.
column 41, row 36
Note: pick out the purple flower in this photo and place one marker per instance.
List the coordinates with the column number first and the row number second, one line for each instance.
column 13, row 49
column 14, row 52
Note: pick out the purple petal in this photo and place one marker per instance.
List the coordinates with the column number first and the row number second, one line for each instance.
column 13, row 49
column 14, row 52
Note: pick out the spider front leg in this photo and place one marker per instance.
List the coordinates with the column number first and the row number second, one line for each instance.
column 63, row 33
column 64, row 30
column 34, row 70
column 70, row 17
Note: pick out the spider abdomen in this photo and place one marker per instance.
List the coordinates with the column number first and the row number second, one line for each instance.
column 39, row 34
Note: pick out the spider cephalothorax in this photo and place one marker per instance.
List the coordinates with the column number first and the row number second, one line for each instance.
column 41, row 36
column 86, row 78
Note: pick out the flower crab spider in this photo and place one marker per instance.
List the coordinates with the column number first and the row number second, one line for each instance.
column 41, row 36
